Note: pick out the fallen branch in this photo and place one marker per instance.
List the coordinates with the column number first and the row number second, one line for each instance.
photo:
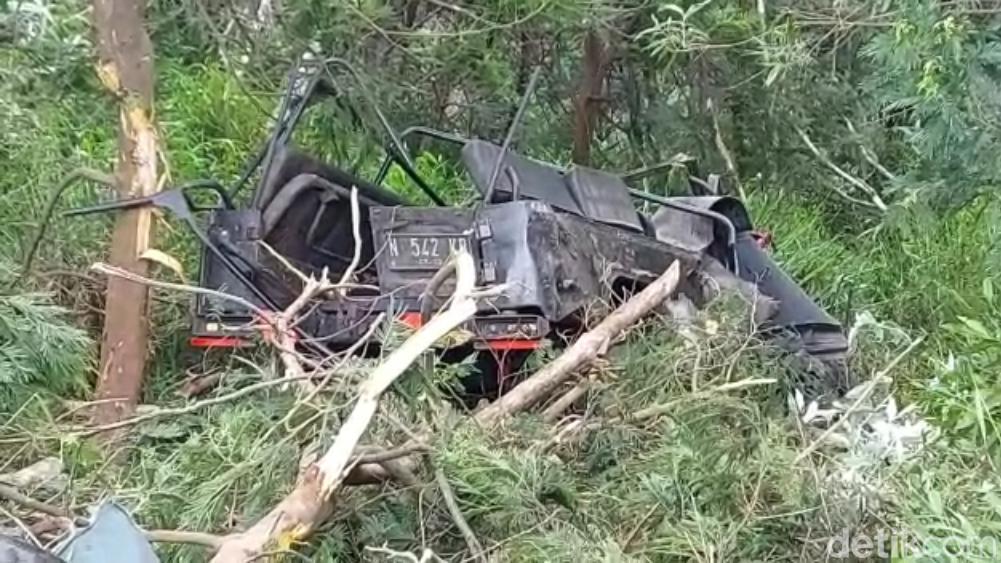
column 460, row 521
column 117, row 272
column 356, row 233
column 284, row 322
column 17, row 497
column 559, row 406
column 358, row 344
column 664, row 408
column 586, row 349
column 199, row 385
column 380, row 456
column 877, row 201
column 160, row 536
column 310, row 502
column 186, row 409
column 579, row 425
column 178, row 536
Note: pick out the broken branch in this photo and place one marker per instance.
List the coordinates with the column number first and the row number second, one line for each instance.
column 356, row 233
column 159, row 536
column 117, row 272
column 877, row 201
column 585, row 350
column 559, row 406
column 460, row 521
column 160, row 412
column 310, row 502
column 15, row 496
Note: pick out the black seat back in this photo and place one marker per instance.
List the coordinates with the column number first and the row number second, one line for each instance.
column 583, row 191
column 288, row 163
column 306, row 213
column 536, row 180
column 604, row 197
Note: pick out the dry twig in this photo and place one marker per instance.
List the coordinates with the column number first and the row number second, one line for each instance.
column 115, row 271
column 161, row 536
column 186, row 409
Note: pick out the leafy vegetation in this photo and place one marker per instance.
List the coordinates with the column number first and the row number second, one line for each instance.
column 39, row 350
column 899, row 95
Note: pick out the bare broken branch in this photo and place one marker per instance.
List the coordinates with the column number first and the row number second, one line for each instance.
column 356, row 233
column 876, row 200
column 160, row 536
column 870, row 156
column 585, row 350
column 310, row 502
column 559, row 406
column 460, row 521
column 186, row 409
column 117, row 272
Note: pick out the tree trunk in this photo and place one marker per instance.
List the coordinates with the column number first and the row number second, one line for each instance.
column 590, row 95
column 126, row 70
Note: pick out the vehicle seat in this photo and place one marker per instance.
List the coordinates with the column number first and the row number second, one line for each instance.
column 604, row 197
column 289, row 162
column 536, row 180
column 306, row 212
column 583, row 191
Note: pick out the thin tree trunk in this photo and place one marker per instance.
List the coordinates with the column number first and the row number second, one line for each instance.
column 126, row 70
column 590, row 95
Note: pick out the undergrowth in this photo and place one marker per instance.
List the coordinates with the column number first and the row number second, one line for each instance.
column 711, row 477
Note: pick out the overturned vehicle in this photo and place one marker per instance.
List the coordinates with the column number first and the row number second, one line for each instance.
column 558, row 239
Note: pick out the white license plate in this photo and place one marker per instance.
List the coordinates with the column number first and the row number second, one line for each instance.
column 423, row 251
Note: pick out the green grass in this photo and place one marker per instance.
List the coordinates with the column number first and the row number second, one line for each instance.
column 712, row 478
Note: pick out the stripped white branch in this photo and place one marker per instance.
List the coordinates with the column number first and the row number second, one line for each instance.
column 333, row 463
column 310, row 502
column 356, row 232
column 870, row 156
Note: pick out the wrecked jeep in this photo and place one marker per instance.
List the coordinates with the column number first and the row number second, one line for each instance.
column 559, row 239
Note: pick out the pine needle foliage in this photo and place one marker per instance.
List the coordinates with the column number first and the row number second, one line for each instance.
column 40, row 350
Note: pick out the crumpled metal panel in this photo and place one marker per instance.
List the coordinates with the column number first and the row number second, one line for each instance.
column 111, row 537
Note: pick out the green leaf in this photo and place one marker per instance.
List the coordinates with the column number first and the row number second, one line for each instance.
column 976, row 328
column 935, row 502
column 994, row 500
column 773, row 75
